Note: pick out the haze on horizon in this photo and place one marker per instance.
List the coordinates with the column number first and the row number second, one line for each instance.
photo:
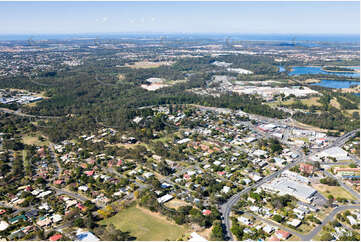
column 177, row 17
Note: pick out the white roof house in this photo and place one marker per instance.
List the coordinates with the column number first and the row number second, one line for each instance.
column 294, row 222
column 83, row 188
column 56, row 218
column 165, row 198
column 183, row 141
column 85, row 236
column 259, row 152
column 295, row 176
column 3, row 225
column 44, row 194
column 196, row 237
column 352, row 220
column 268, row 229
column 244, row 220
column 226, row 189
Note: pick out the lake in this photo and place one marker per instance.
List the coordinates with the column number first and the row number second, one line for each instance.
column 335, row 83
column 301, row 70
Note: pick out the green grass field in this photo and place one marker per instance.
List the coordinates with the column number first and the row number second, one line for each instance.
column 34, row 140
column 335, row 191
column 145, row 225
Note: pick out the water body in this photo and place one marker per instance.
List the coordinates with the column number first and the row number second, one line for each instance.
column 335, row 84
column 301, row 70
column 281, row 69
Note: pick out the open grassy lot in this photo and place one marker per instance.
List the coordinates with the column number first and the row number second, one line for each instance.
column 145, row 225
column 148, row 64
column 335, row 191
column 33, row 139
column 311, row 101
column 335, row 103
column 176, row 203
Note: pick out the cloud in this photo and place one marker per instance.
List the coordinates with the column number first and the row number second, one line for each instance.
column 152, row 19
column 102, row 20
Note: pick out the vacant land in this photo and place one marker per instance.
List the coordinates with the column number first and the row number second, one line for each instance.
column 311, row 101
column 336, row 191
column 176, row 203
column 146, row 225
column 34, row 140
column 335, row 103
column 148, row 64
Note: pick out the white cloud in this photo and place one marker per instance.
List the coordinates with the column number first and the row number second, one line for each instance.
column 102, row 20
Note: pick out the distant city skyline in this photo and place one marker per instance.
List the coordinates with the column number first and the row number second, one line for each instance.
column 180, row 17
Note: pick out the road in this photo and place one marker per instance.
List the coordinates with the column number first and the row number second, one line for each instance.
column 274, row 224
column 19, row 113
column 225, row 208
column 316, row 230
column 70, row 194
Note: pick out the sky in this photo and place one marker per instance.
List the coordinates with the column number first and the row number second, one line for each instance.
column 180, row 17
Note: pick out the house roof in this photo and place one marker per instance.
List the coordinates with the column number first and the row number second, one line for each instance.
column 283, row 233
column 55, row 237
column 273, row 238
column 206, row 212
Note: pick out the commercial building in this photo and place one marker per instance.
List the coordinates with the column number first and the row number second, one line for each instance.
column 333, row 152
column 284, row 186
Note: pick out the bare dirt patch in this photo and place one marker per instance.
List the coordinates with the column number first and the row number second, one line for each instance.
column 149, row 64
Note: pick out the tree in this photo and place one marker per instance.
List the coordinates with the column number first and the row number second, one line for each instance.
column 79, row 222
column 326, row 237
column 278, row 218
column 113, row 234
column 217, row 231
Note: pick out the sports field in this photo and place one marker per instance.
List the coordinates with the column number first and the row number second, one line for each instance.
column 145, row 225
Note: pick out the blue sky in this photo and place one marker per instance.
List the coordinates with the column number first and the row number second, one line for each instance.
column 171, row 17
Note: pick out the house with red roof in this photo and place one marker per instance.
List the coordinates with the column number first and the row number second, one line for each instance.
column 58, row 182
column 186, row 176
column 306, row 168
column 89, row 173
column 206, row 212
column 81, row 207
column 55, row 237
column 273, row 238
column 281, row 234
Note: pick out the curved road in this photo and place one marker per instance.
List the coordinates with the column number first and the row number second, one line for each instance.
column 316, row 230
column 19, row 113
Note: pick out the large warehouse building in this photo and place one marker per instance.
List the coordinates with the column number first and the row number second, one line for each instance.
column 287, row 186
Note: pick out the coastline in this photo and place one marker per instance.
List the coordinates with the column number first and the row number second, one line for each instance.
column 331, row 71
